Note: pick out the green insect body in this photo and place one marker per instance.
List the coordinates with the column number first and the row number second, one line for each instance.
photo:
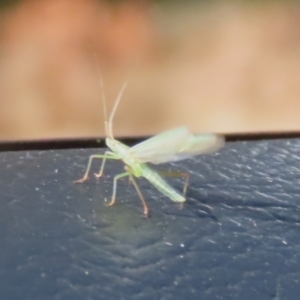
column 168, row 146
column 138, row 169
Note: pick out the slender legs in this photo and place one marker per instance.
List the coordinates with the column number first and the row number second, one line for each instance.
column 99, row 174
column 146, row 210
column 107, row 155
column 116, row 178
column 178, row 174
column 119, row 176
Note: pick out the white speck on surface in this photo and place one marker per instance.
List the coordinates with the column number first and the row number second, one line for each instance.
column 182, row 245
column 211, row 241
column 284, row 242
column 235, row 222
column 169, row 244
column 80, row 218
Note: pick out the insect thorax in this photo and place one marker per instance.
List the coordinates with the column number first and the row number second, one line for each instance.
column 122, row 151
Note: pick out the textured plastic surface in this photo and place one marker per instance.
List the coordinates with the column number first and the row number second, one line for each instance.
column 237, row 237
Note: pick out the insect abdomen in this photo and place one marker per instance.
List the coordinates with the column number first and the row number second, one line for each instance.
column 161, row 185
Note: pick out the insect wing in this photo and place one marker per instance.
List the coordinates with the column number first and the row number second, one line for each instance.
column 194, row 145
column 160, row 144
column 201, row 144
column 176, row 144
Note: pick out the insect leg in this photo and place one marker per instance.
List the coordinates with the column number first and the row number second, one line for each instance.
column 178, row 174
column 104, row 157
column 146, row 210
column 128, row 173
column 187, row 178
column 99, row 174
column 117, row 177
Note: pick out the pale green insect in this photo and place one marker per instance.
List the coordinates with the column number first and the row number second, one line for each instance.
column 168, row 146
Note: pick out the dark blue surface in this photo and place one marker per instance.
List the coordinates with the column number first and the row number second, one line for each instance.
column 237, row 237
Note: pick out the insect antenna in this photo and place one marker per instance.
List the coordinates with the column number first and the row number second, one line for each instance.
column 110, row 130
column 103, row 98
column 108, row 124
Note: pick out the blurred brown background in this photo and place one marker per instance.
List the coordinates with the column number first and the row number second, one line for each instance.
column 228, row 66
